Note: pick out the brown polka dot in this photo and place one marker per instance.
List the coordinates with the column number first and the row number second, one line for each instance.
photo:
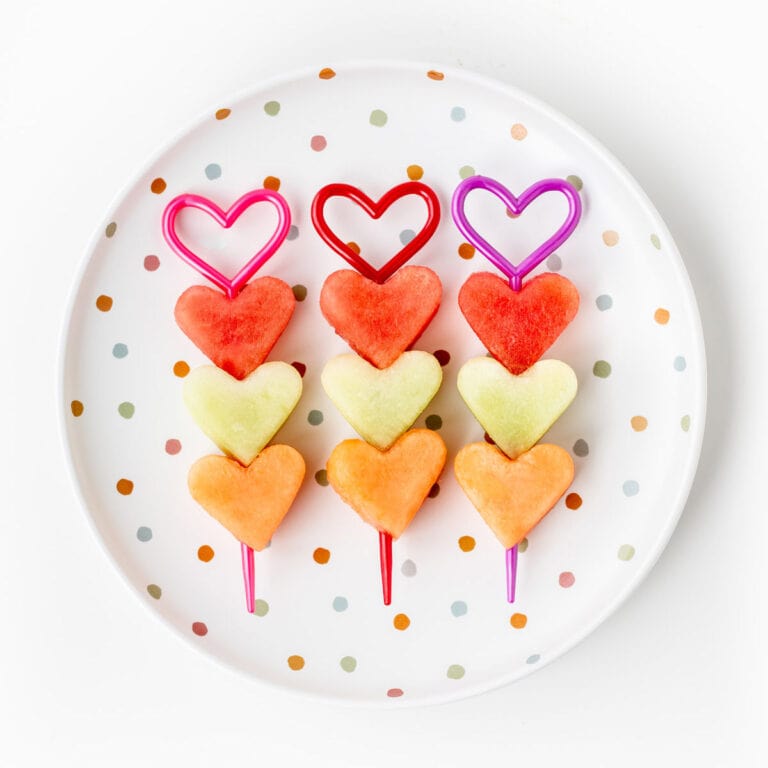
column 466, row 543
column 518, row 131
column 352, row 245
column 200, row 629
column 466, row 251
column 573, row 501
column 124, row 486
column 151, row 263
column 518, row 620
column 111, row 229
column 223, row 114
column 661, row 316
column 158, row 185
column 522, row 546
column 433, row 74
column 180, row 368
column 639, row 423
column 610, row 238
column 326, row 73
column 271, row 182
column 321, row 555
column 300, row 367
column 488, row 439
column 401, row 622
column 77, row 408
column 415, row 172
column 205, row 553
column 442, row 356
column 104, row 303
column 434, row 491
column 296, row 663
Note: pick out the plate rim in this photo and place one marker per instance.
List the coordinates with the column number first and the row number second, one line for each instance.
column 698, row 408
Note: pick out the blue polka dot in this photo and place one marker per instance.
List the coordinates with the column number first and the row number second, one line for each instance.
column 458, row 114
column 631, row 488
column 458, row 608
column 604, row 302
column 533, row 658
column 213, row 171
column 340, row 604
column 679, row 363
column 144, row 533
column 120, row 351
column 406, row 236
column 293, row 232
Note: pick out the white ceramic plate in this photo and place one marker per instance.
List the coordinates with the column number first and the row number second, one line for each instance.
column 634, row 430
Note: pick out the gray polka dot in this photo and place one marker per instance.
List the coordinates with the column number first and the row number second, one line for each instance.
column 604, row 302
column 458, row 114
column 533, row 658
column 293, row 232
column 406, row 236
column 581, row 448
column 458, row 608
column 340, row 604
column 315, row 418
column 408, row 568
column 631, row 488
column 144, row 533
column 213, row 171
column 679, row 363
column 120, row 351
column 554, row 263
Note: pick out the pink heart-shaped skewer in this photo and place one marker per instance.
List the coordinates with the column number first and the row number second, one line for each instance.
column 226, row 219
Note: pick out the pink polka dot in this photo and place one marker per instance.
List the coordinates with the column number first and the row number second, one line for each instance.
column 151, row 263
column 566, row 579
column 318, row 143
column 172, row 446
column 200, row 629
column 394, row 693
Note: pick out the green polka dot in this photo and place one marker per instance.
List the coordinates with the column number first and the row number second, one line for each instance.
column 626, row 552
column 685, row 423
column 126, row 410
column 120, row 351
column 111, row 229
column 378, row 118
column 154, row 591
column 272, row 108
column 348, row 663
column 466, row 171
column 655, row 242
column 261, row 608
column 433, row 422
column 575, row 182
column 340, row 604
column 458, row 608
column 300, row 292
column 679, row 363
column 321, row 477
column 522, row 546
column 315, row 418
column 455, row 672
column 602, row 369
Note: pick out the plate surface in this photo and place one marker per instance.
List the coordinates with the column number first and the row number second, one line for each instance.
column 634, row 429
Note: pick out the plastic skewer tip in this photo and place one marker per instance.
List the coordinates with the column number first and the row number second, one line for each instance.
column 511, row 573
column 385, row 561
column 249, row 576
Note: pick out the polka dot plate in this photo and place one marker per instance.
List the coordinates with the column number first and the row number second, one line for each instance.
column 320, row 627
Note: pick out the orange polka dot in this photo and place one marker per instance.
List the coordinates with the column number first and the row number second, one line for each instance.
column 466, row 251
column 352, row 245
column 661, row 316
column 104, row 303
column 610, row 238
column 401, row 622
column 326, row 73
column 321, row 555
column 77, row 408
column 573, row 501
column 180, row 368
column 124, row 487
column 271, row 182
column 205, row 553
column 415, row 172
column 518, row 620
column 223, row 114
column 518, row 131
column 466, row 543
column 433, row 74
column 158, row 186
column 639, row 423
column 296, row 663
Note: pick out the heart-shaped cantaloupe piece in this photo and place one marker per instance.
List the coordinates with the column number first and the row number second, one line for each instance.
column 512, row 495
column 386, row 488
column 241, row 417
column 516, row 410
column 251, row 501
column 381, row 404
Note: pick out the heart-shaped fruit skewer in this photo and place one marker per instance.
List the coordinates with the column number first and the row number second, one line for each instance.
column 382, row 389
column 517, row 324
column 241, row 414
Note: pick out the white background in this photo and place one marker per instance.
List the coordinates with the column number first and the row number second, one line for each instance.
column 676, row 90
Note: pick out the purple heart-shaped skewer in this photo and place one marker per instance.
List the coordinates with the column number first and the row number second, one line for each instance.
column 515, row 272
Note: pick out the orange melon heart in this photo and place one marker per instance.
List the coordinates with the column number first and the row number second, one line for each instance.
column 513, row 495
column 387, row 488
column 251, row 501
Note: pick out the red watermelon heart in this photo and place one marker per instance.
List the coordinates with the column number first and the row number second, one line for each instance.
column 381, row 320
column 518, row 327
column 236, row 334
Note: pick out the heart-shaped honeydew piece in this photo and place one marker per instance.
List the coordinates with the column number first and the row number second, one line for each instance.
column 381, row 404
column 516, row 411
column 241, row 417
